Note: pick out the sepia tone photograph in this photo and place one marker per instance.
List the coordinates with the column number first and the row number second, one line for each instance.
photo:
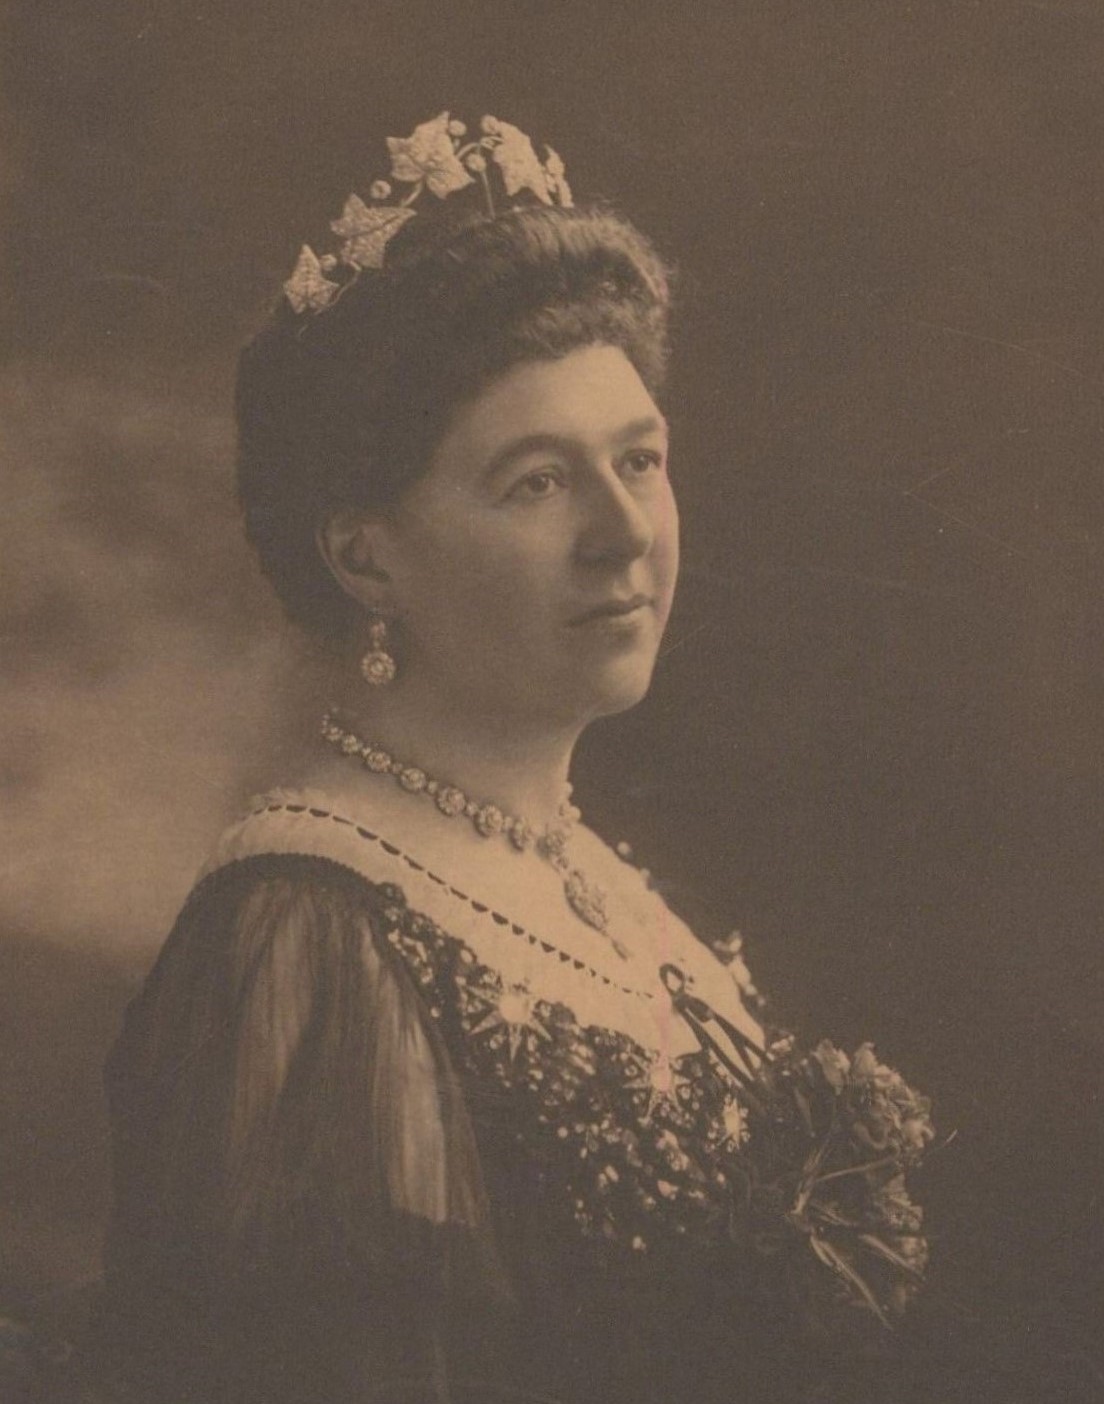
column 552, row 746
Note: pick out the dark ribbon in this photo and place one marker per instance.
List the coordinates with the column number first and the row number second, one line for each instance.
column 738, row 1054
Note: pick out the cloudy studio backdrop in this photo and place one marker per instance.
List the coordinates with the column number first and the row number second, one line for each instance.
column 874, row 743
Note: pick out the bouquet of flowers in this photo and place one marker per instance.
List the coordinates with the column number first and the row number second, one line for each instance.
column 831, row 1140
column 819, row 1169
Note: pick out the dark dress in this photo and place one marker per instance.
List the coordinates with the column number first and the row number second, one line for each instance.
column 376, row 1142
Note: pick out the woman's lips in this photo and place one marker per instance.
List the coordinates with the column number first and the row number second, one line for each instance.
column 611, row 609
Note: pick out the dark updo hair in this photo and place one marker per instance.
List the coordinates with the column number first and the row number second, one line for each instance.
column 343, row 408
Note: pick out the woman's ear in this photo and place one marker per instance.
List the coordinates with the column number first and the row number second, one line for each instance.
column 348, row 543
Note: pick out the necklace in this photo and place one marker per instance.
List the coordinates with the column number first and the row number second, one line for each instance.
column 585, row 898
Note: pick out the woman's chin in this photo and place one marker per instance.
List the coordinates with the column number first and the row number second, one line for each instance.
column 621, row 687
column 612, row 670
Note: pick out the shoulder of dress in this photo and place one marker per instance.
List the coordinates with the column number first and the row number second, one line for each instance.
column 289, row 840
column 307, row 823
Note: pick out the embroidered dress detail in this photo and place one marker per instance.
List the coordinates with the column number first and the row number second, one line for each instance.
column 633, row 1146
column 631, row 1125
column 556, row 962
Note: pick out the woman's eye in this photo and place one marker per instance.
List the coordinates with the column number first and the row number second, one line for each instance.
column 534, row 486
column 642, row 461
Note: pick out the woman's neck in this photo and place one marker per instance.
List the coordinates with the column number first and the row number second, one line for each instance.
column 517, row 763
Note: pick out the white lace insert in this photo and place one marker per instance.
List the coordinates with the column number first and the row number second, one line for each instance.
column 559, row 964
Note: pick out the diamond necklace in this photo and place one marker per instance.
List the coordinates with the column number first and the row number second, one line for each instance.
column 585, row 898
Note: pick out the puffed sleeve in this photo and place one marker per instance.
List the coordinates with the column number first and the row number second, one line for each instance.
column 296, row 1174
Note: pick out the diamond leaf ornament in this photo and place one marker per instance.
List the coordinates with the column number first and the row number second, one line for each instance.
column 520, row 166
column 308, row 288
column 428, row 156
column 367, row 230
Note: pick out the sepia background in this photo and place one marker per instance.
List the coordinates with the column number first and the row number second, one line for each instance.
column 874, row 743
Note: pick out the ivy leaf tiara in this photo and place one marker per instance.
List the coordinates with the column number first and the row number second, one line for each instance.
column 441, row 159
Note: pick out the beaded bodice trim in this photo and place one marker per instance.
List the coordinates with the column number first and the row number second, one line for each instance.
column 633, row 1145
column 557, row 962
column 630, row 1126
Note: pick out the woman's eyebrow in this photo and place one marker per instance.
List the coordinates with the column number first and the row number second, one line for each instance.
column 641, row 428
column 510, row 452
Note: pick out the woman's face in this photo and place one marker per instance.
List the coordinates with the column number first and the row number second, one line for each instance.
column 532, row 568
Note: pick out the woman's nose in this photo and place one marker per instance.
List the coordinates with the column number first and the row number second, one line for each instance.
column 617, row 525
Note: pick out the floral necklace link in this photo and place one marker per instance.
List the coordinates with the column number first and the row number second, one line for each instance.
column 585, row 898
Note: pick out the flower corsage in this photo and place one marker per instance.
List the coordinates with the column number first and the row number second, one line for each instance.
column 819, row 1176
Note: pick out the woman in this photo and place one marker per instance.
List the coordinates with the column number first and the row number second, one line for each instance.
column 408, row 1108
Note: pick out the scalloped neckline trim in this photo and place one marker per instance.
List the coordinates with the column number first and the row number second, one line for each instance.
column 551, row 964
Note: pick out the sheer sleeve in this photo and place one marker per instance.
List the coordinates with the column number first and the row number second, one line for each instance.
column 290, row 1137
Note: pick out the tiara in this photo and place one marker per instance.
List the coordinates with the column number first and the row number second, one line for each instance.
column 441, row 159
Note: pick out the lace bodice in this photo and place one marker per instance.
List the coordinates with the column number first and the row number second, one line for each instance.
column 374, row 1135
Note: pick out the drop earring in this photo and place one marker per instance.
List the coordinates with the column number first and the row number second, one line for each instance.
column 378, row 666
